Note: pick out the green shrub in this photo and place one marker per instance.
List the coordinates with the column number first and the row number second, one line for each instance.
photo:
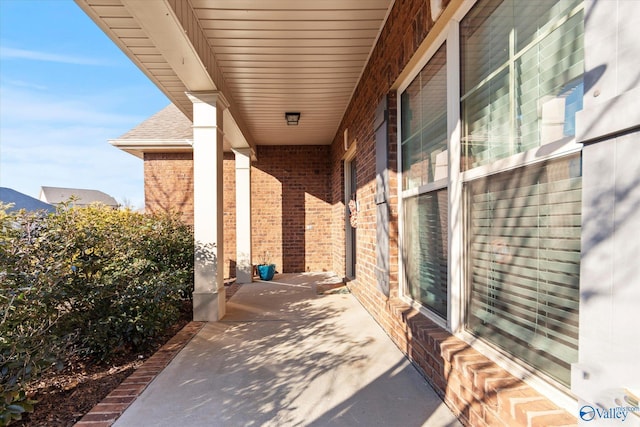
column 91, row 281
column 27, row 314
column 129, row 274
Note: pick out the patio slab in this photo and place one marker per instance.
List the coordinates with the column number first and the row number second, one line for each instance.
column 285, row 356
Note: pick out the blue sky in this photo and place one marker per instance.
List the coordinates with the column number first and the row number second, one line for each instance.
column 65, row 89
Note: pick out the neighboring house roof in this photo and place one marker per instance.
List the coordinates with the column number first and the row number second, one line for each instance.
column 84, row 197
column 22, row 201
column 167, row 130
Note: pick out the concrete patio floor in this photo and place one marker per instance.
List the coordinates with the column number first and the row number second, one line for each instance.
column 285, row 356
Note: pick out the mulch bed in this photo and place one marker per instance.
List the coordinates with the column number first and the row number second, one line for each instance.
column 64, row 397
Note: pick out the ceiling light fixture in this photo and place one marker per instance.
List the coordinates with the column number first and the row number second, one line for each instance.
column 292, row 118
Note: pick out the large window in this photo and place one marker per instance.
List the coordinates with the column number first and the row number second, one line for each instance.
column 425, row 171
column 485, row 212
column 524, row 262
column 521, row 85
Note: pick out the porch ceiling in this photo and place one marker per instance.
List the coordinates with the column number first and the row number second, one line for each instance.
column 266, row 56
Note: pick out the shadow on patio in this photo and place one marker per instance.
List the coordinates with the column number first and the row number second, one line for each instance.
column 286, row 356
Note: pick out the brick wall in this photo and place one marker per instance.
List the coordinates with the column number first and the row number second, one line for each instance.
column 476, row 389
column 168, row 187
column 168, row 184
column 291, row 213
column 290, row 209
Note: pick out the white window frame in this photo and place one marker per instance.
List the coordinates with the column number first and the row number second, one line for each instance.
column 456, row 179
column 440, row 184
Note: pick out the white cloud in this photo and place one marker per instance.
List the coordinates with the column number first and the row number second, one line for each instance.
column 33, row 55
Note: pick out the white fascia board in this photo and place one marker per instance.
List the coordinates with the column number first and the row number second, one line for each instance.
column 138, row 147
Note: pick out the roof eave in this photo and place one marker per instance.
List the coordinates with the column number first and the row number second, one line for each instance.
column 138, row 147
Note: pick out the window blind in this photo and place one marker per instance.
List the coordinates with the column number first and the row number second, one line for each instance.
column 425, row 160
column 424, row 124
column 426, row 249
column 524, row 262
column 521, row 61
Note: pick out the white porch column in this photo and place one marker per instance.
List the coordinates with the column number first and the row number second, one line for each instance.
column 209, row 293
column 244, row 267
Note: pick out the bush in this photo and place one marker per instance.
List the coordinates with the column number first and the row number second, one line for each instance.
column 90, row 281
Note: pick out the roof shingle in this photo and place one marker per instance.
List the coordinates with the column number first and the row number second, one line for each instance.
column 167, row 124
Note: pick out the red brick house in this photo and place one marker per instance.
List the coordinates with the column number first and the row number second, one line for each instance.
column 470, row 166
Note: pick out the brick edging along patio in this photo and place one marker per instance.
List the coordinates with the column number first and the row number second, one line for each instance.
column 105, row 413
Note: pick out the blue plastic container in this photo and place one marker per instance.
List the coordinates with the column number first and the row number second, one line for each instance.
column 266, row 271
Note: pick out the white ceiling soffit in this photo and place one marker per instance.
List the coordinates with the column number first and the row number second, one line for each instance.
column 267, row 56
